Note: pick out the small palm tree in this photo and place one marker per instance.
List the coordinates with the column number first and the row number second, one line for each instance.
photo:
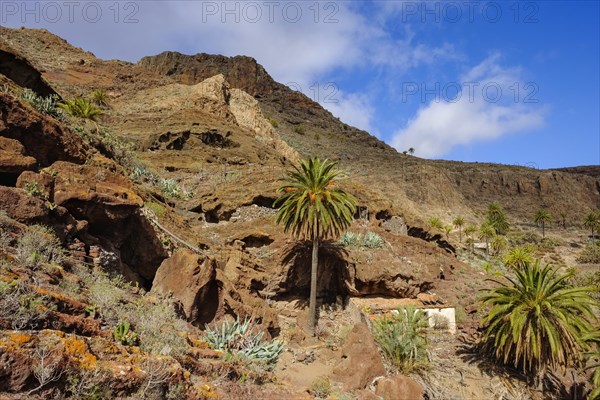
column 518, row 257
column 469, row 231
column 312, row 207
column 411, row 151
column 435, row 223
column 82, row 108
column 100, row 98
column 537, row 320
column 543, row 217
column 496, row 217
column 458, row 223
column 592, row 221
column 486, row 233
column 563, row 219
column 498, row 244
column 447, row 229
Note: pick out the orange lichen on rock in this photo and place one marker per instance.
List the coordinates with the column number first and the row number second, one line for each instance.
column 78, row 351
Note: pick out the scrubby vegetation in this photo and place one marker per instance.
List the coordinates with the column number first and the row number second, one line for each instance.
column 402, row 339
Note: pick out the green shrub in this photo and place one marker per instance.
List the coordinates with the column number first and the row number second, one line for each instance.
column 171, row 188
column 157, row 326
column 39, row 245
column 321, row 387
column 124, row 335
column 402, row 338
column 300, row 130
column 245, row 340
column 590, row 254
column 156, row 208
column 33, row 189
column 273, row 122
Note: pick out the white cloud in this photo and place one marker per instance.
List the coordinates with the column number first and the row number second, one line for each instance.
column 294, row 44
column 480, row 113
column 354, row 109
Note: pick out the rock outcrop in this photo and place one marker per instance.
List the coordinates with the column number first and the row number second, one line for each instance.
column 361, row 362
column 42, row 137
column 190, row 278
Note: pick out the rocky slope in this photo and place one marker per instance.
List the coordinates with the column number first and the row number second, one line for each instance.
column 173, row 190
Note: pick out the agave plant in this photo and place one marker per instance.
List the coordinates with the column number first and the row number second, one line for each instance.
column 402, row 338
column 537, row 320
column 242, row 338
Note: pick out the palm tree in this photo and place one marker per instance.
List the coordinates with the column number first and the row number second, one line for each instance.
column 537, row 320
column 519, row 257
column 458, row 223
column 411, row 151
column 498, row 244
column 543, row 217
column 563, row 219
column 592, row 221
column 312, row 207
column 469, row 231
column 447, row 229
column 435, row 223
column 487, row 232
column 81, row 108
column 100, row 98
column 593, row 357
column 496, row 217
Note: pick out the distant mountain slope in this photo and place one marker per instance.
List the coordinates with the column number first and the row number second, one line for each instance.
column 389, row 182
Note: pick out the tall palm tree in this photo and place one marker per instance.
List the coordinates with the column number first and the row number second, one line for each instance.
column 592, row 221
column 537, row 320
column 496, row 217
column 486, row 233
column 312, row 207
column 542, row 217
column 458, row 223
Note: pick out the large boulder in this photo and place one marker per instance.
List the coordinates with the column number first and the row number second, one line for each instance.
column 399, row 387
column 190, row 278
column 361, row 361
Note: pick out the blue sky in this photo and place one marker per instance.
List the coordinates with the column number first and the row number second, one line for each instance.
column 509, row 82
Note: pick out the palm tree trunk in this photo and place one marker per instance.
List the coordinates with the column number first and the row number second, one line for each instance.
column 543, row 230
column 312, row 318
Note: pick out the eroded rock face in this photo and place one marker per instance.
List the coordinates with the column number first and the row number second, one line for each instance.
column 22, row 207
column 42, row 137
column 20, row 71
column 16, row 369
column 191, row 279
column 361, row 362
column 12, row 157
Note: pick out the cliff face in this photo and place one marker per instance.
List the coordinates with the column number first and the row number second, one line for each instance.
column 411, row 185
